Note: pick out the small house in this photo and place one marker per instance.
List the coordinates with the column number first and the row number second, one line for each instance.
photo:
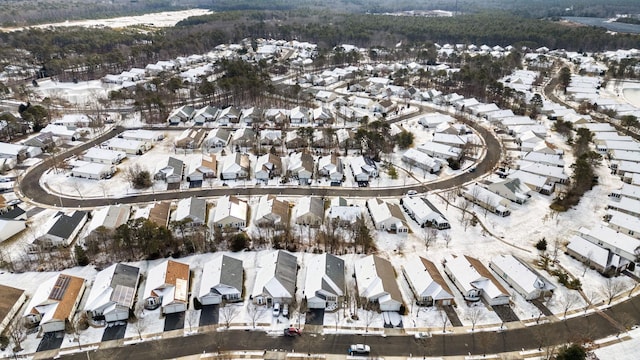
column 426, row 282
column 272, row 212
column 167, row 287
column 193, row 210
column 222, row 281
column 324, row 286
column 235, row 167
column 113, row 293
column 229, row 213
column 275, row 281
column 520, row 276
column 376, row 281
column 93, row 171
column 474, row 281
column 386, row 216
column 309, row 211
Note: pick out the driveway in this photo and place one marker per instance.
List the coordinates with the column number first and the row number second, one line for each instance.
column 114, row 331
column 51, row 341
column 209, row 315
column 452, row 315
column 505, row 313
column 314, row 317
column 174, row 321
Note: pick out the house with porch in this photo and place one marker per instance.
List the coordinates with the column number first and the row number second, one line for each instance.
column 520, row 276
column 276, row 275
column 386, row 216
column 230, row 213
column 309, row 211
column 376, row 282
column 324, row 286
column 424, row 212
column 113, row 293
column 167, row 287
column 474, row 281
column 426, row 283
column 221, row 281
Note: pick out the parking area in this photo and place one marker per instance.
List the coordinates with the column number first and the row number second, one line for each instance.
column 114, row 331
column 314, row 317
column 209, row 315
column 505, row 313
column 51, row 341
column 174, row 321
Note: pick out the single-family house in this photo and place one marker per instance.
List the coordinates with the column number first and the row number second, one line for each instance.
column 243, row 138
column 146, row 136
column 132, row 147
column 61, row 132
column 235, row 166
column 229, row 213
column 386, row 216
column 208, row 169
column 376, row 281
column 222, row 281
column 190, row 139
column 440, row 151
column 73, row 121
column 363, row 168
column 181, row 114
column 159, row 213
column 228, row 115
column 94, row 171
column 623, row 248
column 167, row 287
column 104, row 156
column 272, row 212
column 424, row 212
column 426, row 283
column 13, row 151
column 434, row 119
column 54, row 303
column 331, row 167
column 216, row 140
column 450, row 139
column 301, row 166
column 41, row 140
column 11, row 300
column 205, row 114
column 309, row 211
column 192, row 210
column 521, row 277
column 488, row 200
column 344, row 215
column 64, row 230
column 173, row 172
column 275, row 281
column 113, row 293
column 624, row 223
column 109, row 217
column 324, row 286
column 511, row 189
column 421, row 160
column 474, row 281
column 591, row 254
column 270, row 137
column 10, row 227
column 267, row 167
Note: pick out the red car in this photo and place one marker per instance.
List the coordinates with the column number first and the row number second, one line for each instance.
column 291, row 331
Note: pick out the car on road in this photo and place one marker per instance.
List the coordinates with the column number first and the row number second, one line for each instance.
column 291, row 331
column 412, row 192
column 359, row 349
column 472, row 170
column 276, row 309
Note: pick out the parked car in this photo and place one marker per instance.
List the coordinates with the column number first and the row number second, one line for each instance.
column 291, row 331
column 285, row 310
column 276, row 309
column 359, row 349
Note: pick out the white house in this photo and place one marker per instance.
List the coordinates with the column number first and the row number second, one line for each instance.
column 94, row 171
column 376, row 281
column 275, row 281
column 167, row 286
column 488, row 200
column 386, row 216
column 235, row 167
column 331, row 167
column 147, row 136
column 191, row 209
column 511, row 189
column 229, row 213
column 426, row 282
column 216, row 139
column 363, row 168
column 267, row 167
column 591, row 254
column 222, row 280
column 109, row 217
column 54, row 303
column 624, row 223
column 440, row 151
column 104, row 156
column 309, row 211
column 9, row 228
column 421, row 160
column 272, row 212
column 61, row 132
column 64, row 229
column 324, row 285
column 113, row 293
column 434, row 119
column 301, row 167
column 475, row 281
column 424, row 212
column 132, row 147
column 520, row 276
column 619, row 245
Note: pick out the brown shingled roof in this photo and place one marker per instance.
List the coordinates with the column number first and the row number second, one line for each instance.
column 66, row 304
column 8, row 298
column 483, row 271
column 159, row 213
column 435, row 274
column 176, row 270
column 387, row 274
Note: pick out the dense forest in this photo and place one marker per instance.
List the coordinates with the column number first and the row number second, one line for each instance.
column 86, row 54
column 25, row 12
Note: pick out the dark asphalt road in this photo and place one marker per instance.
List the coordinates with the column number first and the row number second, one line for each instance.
column 30, row 187
column 582, row 328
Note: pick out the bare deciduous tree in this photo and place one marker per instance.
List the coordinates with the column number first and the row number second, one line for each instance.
column 17, row 332
column 611, row 288
column 475, row 314
column 569, row 300
column 228, row 313
column 444, row 319
column 447, row 238
column 255, row 312
column 430, row 235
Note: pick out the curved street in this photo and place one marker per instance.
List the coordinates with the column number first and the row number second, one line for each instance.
column 29, row 183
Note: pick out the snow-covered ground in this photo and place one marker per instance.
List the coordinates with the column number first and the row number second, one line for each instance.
column 161, row 19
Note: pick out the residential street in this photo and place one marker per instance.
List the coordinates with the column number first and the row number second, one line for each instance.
column 593, row 326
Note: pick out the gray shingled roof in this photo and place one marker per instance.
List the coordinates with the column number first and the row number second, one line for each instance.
column 286, row 270
column 335, row 271
column 231, row 272
column 125, row 275
column 65, row 225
